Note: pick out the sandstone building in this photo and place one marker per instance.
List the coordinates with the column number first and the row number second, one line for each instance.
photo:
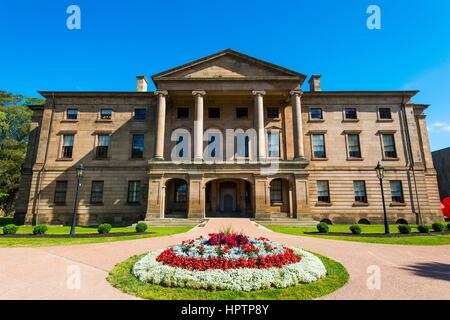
column 323, row 145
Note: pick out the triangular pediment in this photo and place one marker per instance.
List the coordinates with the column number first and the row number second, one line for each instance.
column 230, row 65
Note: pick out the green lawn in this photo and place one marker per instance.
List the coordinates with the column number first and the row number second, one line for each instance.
column 122, row 278
column 418, row 241
column 34, row 242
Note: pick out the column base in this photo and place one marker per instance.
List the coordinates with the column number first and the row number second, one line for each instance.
column 158, row 158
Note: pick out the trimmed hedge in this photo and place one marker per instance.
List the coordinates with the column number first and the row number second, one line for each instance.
column 10, row 229
column 423, row 228
column 40, row 229
column 404, row 229
column 438, row 226
column 355, row 229
column 104, row 228
column 141, row 227
column 323, row 227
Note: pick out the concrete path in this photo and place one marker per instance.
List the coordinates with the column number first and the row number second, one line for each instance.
column 406, row 272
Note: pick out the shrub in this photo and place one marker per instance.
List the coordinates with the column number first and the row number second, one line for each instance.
column 438, row 226
column 448, row 227
column 423, row 228
column 40, row 229
column 404, row 229
column 323, row 227
column 355, row 229
column 141, row 227
column 104, row 228
column 10, row 229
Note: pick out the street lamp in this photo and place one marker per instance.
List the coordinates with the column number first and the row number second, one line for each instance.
column 80, row 170
column 380, row 174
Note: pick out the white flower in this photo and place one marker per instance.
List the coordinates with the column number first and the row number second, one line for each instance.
column 309, row 269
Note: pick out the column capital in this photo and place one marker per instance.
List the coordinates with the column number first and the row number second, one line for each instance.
column 296, row 92
column 198, row 93
column 161, row 93
column 259, row 92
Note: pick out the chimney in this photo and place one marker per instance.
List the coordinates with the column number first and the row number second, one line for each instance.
column 314, row 83
column 142, row 83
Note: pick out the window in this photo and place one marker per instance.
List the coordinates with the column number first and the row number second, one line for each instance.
column 273, row 138
column 134, row 191
column 214, row 113
column 350, row 114
column 397, row 192
column 389, row 146
column 106, row 114
column 140, row 114
column 276, row 191
column 241, row 113
column 60, row 192
column 97, row 192
column 102, row 147
column 323, row 191
column 67, row 149
column 180, row 195
column 316, row 114
column 72, row 114
column 318, row 145
column 272, row 113
column 385, row 113
column 182, row 113
column 137, row 149
column 354, row 150
column 360, row 191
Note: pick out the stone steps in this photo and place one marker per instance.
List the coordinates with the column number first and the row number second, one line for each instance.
column 288, row 222
column 173, row 222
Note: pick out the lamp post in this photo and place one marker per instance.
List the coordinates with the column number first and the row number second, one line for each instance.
column 380, row 174
column 80, row 170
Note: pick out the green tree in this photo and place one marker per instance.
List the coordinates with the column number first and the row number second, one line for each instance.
column 15, row 118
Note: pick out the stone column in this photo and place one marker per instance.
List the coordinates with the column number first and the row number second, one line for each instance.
column 198, row 125
column 262, row 198
column 301, row 196
column 160, row 124
column 156, row 197
column 196, row 204
column 259, row 116
column 299, row 149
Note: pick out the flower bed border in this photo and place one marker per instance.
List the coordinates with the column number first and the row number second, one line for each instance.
column 308, row 270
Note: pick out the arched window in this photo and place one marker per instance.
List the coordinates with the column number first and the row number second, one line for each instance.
column 276, row 191
column 180, row 195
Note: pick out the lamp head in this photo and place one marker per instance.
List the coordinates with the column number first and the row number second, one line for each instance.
column 380, row 170
column 80, row 170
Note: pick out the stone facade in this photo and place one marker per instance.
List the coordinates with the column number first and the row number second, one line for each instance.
column 441, row 160
column 271, row 171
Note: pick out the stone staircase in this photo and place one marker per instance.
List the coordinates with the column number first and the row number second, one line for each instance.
column 174, row 222
column 288, row 222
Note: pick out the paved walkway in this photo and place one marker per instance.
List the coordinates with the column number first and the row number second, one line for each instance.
column 407, row 272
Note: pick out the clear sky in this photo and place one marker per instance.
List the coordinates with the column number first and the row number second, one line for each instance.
column 121, row 39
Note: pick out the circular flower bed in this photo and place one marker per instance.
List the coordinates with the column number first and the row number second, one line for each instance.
column 229, row 262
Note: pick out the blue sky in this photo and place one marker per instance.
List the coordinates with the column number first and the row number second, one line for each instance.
column 118, row 41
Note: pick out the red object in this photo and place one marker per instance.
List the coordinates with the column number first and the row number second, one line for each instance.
column 168, row 257
column 445, row 207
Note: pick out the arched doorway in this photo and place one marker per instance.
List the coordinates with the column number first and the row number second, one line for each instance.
column 228, row 198
column 176, row 199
